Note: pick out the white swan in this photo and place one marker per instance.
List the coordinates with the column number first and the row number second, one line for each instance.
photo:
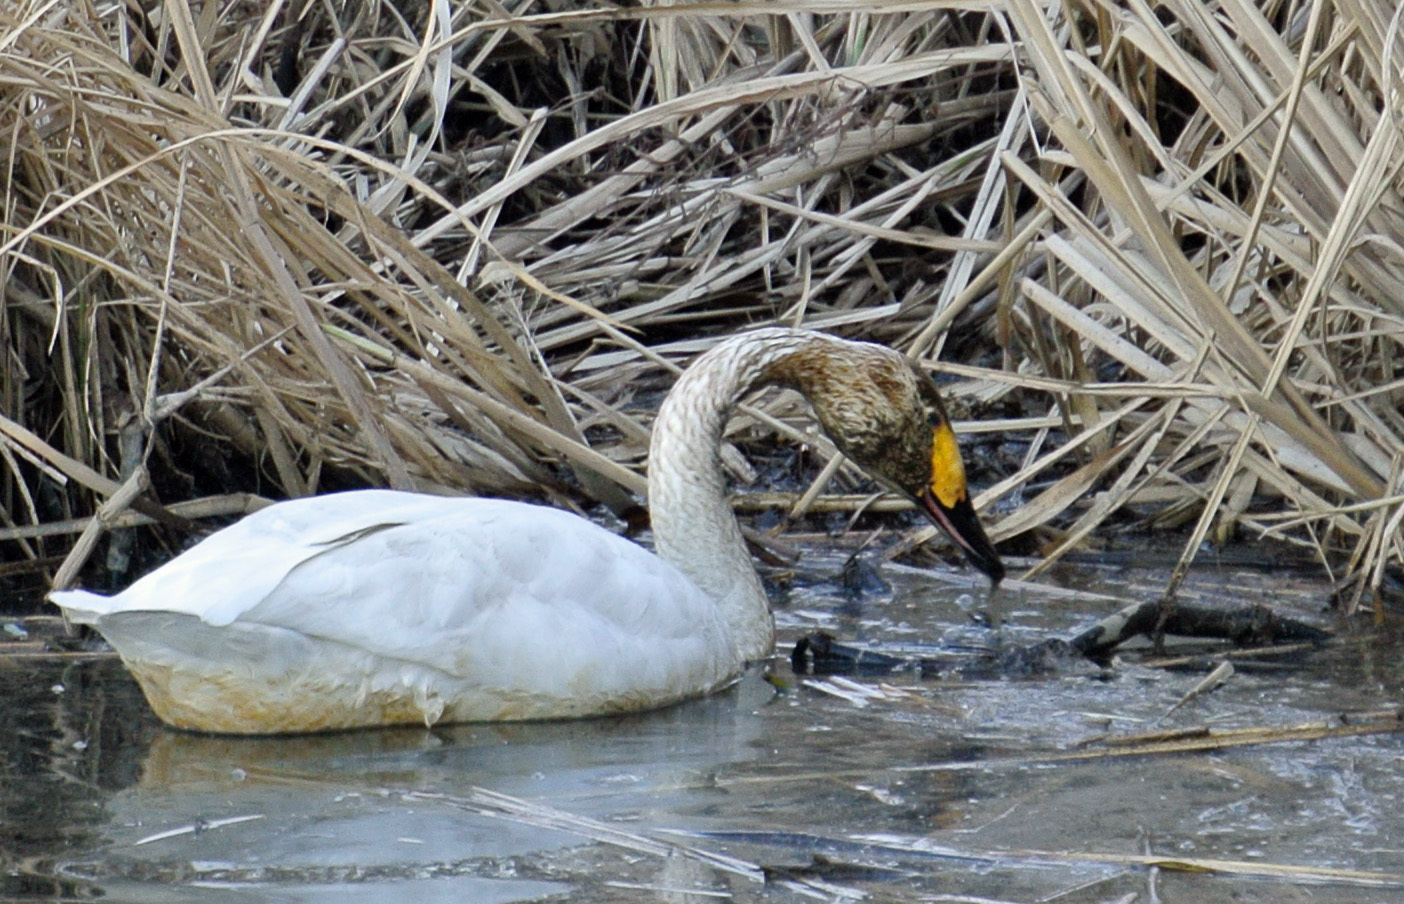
column 376, row 607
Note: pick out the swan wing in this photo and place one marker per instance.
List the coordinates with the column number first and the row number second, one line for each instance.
column 489, row 580
column 232, row 570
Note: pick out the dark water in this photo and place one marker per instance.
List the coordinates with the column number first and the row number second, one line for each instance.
column 892, row 789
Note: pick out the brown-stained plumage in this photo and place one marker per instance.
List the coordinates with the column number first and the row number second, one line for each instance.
column 874, row 403
column 888, row 417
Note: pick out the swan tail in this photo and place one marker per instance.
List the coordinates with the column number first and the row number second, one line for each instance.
column 81, row 606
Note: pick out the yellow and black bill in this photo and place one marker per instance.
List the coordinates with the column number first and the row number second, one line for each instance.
column 946, row 501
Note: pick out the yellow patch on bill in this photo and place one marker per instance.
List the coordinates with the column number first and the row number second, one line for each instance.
column 947, row 472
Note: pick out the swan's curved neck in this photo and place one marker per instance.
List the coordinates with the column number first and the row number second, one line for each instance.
column 693, row 525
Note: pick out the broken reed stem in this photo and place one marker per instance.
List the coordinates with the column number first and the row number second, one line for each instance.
column 1194, row 740
column 194, row 510
column 117, row 503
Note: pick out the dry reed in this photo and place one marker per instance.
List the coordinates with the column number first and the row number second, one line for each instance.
column 471, row 241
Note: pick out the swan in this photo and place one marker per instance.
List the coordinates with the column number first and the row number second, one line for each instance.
column 381, row 607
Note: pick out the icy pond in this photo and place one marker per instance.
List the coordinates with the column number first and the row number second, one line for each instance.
column 786, row 788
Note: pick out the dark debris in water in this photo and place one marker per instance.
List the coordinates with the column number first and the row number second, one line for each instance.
column 829, row 869
column 1253, row 625
column 821, row 654
column 38, row 882
column 41, row 635
column 1246, row 626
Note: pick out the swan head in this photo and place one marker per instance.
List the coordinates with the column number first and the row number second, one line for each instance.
column 886, row 415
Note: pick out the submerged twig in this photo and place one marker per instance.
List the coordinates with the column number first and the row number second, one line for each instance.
column 1255, row 868
column 505, row 806
column 1192, row 740
column 1254, row 624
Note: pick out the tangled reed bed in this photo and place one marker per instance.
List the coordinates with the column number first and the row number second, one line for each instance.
column 463, row 245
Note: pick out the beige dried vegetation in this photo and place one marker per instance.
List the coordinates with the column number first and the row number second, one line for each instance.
column 472, row 241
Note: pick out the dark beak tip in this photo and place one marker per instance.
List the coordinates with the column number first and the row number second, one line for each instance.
column 993, row 568
column 963, row 526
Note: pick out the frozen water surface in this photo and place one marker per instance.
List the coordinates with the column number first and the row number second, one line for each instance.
column 871, row 788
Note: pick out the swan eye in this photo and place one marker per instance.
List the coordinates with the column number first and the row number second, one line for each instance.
column 947, row 471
